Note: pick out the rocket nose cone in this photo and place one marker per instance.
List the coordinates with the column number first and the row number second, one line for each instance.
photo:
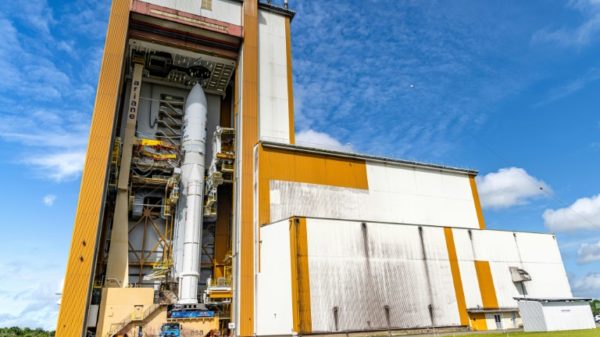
column 196, row 96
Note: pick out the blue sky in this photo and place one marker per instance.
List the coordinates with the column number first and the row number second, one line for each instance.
column 511, row 88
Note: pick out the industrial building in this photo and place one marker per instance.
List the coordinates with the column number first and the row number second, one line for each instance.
column 198, row 215
column 543, row 314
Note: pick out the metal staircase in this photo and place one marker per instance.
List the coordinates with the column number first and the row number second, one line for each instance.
column 133, row 318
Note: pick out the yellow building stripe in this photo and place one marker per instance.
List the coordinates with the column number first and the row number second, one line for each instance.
column 478, row 322
column 80, row 264
column 285, row 165
column 290, row 84
column 486, row 285
column 294, row 271
column 304, row 279
column 301, row 305
column 456, row 277
column 249, row 134
column 477, row 202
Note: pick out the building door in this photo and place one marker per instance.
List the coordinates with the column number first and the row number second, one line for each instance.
column 498, row 320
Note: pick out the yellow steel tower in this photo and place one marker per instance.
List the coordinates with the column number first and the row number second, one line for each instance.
column 124, row 266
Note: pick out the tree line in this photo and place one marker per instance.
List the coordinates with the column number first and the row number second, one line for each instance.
column 595, row 307
column 24, row 332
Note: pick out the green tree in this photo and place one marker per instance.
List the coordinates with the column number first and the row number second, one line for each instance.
column 24, row 332
column 595, row 307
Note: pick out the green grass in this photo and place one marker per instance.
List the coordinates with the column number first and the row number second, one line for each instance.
column 572, row 333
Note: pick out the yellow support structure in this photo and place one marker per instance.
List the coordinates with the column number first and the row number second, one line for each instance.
column 76, row 291
column 117, row 267
column 155, row 143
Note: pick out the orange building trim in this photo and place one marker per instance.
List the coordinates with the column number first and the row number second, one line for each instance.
column 79, row 275
column 301, row 307
column 304, row 305
column 456, row 277
column 478, row 322
column 290, row 84
column 249, row 134
column 486, row 285
column 477, row 202
column 285, row 165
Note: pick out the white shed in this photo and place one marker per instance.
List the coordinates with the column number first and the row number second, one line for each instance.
column 552, row 314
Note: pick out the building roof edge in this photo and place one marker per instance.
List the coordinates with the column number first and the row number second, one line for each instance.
column 369, row 158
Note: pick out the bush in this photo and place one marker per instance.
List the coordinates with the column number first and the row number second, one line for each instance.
column 595, row 307
column 24, row 332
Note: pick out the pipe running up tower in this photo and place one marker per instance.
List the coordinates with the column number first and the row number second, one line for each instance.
column 192, row 180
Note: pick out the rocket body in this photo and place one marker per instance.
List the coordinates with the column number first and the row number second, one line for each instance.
column 192, row 181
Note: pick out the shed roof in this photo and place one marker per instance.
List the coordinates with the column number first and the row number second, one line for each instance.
column 556, row 299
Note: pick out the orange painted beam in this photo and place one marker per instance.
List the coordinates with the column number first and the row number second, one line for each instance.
column 294, row 272
column 477, row 202
column 486, row 285
column 79, row 274
column 249, row 134
column 278, row 164
column 290, row 84
column 456, row 277
column 478, row 322
column 301, row 304
column 303, row 278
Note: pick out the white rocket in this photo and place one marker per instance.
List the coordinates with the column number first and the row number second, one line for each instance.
column 192, row 180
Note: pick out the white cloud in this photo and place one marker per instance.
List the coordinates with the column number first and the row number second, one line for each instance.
column 52, row 138
column 587, row 286
column 578, row 36
column 582, row 214
column 49, row 61
column 49, row 199
column 509, row 187
column 53, row 72
column 59, row 166
column 52, row 144
column 312, row 138
column 28, row 293
column 589, row 252
column 32, row 73
column 46, row 139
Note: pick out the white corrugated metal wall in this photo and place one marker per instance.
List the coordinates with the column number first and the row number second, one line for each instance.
column 568, row 316
column 532, row 314
column 357, row 270
column 500, row 250
column 468, row 274
column 396, row 194
column 538, row 254
column 361, row 269
column 541, row 259
column 553, row 316
column 273, row 78
column 274, row 282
